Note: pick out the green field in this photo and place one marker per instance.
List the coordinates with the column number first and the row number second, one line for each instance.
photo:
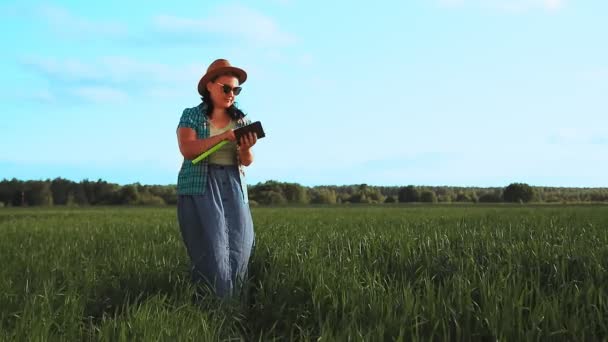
column 360, row 273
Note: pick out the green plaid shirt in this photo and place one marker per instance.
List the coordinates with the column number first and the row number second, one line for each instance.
column 192, row 178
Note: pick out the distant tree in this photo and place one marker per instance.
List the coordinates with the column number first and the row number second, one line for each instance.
column 466, row 196
column 358, row 198
column 270, row 197
column 295, row 193
column 359, row 194
column 267, row 193
column 323, row 196
column 15, row 192
column 129, row 194
column 104, row 192
column 599, row 196
column 78, row 196
column 60, row 189
column 461, row 197
column 167, row 193
column 366, row 194
column 490, row 197
column 390, row 199
column 409, row 194
column 552, row 198
column 88, row 188
column 444, row 194
column 38, row 193
column 389, row 191
column 518, row 192
column 11, row 192
column 146, row 198
column 375, row 195
column 428, row 196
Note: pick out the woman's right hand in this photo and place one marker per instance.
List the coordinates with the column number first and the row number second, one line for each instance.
column 229, row 135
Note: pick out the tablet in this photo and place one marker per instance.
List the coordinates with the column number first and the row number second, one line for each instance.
column 255, row 127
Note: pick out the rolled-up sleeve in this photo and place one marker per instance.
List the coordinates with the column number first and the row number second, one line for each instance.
column 187, row 119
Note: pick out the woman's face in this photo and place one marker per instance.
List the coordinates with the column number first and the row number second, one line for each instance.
column 217, row 90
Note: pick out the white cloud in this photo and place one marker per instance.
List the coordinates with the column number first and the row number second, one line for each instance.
column 577, row 136
column 526, row 5
column 66, row 23
column 43, row 95
column 111, row 78
column 100, row 94
column 64, row 70
column 10, row 10
column 161, row 92
column 509, row 5
column 95, row 78
column 112, row 70
column 249, row 25
column 19, row 95
column 282, row 2
column 306, row 59
column 553, row 4
column 123, row 68
column 594, row 74
column 451, row 3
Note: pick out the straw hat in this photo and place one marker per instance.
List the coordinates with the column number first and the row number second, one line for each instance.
column 218, row 67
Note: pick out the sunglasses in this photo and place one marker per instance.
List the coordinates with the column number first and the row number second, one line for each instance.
column 227, row 89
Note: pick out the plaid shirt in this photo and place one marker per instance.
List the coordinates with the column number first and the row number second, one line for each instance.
column 192, row 178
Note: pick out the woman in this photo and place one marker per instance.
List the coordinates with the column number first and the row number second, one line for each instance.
column 213, row 209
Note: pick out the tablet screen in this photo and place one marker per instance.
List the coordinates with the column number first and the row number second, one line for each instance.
column 255, row 127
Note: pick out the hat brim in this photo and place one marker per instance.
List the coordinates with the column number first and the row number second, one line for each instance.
column 241, row 75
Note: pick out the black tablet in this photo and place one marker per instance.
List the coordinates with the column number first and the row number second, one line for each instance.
column 255, row 127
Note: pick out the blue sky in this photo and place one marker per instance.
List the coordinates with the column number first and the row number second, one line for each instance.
column 424, row 92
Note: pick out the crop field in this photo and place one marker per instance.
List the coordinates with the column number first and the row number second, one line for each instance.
column 377, row 273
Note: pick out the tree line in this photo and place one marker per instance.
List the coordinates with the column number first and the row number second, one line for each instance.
column 61, row 191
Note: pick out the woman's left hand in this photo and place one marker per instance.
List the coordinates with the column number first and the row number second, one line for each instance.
column 248, row 140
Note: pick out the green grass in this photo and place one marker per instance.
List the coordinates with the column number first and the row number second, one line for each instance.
column 360, row 273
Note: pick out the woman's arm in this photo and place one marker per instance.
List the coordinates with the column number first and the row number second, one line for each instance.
column 245, row 154
column 191, row 147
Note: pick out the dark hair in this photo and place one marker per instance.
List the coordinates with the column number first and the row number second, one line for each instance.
column 233, row 111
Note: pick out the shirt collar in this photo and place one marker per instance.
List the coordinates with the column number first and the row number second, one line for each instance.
column 203, row 108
